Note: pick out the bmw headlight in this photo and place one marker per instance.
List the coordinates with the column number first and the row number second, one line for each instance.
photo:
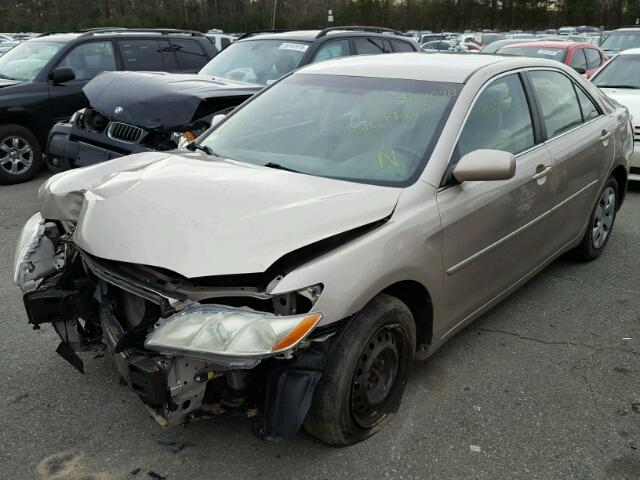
column 206, row 331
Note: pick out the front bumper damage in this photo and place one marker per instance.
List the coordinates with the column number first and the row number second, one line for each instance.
column 94, row 306
column 71, row 147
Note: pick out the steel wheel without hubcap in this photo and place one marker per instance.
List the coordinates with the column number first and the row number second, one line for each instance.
column 603, row 217
column 16, row 155
column 375, row 376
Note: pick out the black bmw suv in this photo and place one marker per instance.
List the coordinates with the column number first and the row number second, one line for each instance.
column 41, row 81
column 135, row 112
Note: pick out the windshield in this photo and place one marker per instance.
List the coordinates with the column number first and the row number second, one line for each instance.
column 369, row 130
column 621, row 40
column 24, row 61
column 256, row 61
column 536, row 52
column 622, row 71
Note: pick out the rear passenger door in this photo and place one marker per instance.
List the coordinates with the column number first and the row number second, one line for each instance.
column 147, row 55
column 190, row 57
column 580, row 141
column 370, row 46
column 494, row 232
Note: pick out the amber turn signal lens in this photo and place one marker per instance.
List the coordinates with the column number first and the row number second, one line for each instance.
column 298, row 332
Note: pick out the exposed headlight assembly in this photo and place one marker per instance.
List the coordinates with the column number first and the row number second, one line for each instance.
column 35, row 256
column 216, row 332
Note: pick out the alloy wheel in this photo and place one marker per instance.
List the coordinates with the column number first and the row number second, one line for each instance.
column 16, row 155
column 603, row 217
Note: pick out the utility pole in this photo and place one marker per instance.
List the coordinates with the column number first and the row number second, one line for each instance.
column 273, row 21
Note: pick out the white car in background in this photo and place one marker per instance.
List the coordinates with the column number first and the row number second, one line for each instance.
column 620, row 80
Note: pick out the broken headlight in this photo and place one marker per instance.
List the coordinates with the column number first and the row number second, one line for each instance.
column 35, row 255
column 215, row 330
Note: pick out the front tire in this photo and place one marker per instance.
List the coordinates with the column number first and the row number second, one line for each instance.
column 365, row 374
column 20, row 154
column 601, row 223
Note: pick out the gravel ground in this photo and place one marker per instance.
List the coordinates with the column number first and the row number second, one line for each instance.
column 545, row 386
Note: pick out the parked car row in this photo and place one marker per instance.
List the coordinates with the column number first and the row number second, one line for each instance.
column 130, row 112
column 329, row 221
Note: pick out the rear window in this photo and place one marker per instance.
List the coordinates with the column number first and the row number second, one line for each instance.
column 400, row 46
column 558, row 54
column 143, row 55
column 189, row 54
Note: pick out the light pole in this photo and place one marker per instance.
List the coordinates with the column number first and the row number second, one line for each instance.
column 273, row 21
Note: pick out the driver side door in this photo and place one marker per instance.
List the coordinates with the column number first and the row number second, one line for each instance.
column 86, row 60
column 494, row 231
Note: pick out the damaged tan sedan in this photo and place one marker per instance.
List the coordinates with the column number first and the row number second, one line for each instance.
column 348, row 219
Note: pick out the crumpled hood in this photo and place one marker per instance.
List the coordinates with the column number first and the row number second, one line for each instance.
column 627, row 97
column 201, row 216
column 157, row 100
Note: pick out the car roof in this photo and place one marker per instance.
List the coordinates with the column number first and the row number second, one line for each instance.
column 436, row 67
column 57, row 37
column 554, row 44
column 311, row 35
column 631, row 51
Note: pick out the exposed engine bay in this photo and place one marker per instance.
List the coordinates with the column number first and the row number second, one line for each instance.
column 95, row 305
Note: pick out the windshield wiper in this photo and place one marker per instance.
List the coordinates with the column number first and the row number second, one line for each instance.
column 635, row 87
column 6, row 77
column 277, row 166
column 193, row 146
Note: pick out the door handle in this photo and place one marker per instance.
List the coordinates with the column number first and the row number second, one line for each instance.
column 605, row 136
column 542, row 173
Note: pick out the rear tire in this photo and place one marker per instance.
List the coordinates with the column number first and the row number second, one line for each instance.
column 365, row 374
column 601, row 223
column 20, row 154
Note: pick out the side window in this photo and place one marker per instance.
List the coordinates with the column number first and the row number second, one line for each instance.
column 369, row 46
column 143, row 54
column 499, row 120
column 589, row 110
column 89, row 59
column 399, row 46
column 593, row 58
column 560, row 107
column 189, row 54
column 578, row 60
column 332, row 49
column 224, row 42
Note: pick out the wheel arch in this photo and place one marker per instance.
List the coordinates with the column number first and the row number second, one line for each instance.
column 418, row 299
column 620, row 174
column 26, row 120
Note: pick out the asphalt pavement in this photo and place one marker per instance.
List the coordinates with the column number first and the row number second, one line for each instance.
column 544, row 386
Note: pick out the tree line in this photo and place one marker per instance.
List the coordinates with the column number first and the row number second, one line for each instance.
column 246, row 15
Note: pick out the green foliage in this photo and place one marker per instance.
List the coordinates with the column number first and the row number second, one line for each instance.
column 244, row 15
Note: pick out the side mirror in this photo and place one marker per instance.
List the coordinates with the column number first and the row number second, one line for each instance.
column 217, row 119
column 580, row 70
column 62, row 75
column 485, row 165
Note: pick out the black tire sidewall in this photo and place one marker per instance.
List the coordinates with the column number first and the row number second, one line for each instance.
column 28, row 136
column 330, row 417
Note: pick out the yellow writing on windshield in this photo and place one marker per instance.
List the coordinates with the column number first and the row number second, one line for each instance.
column 387, row 157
